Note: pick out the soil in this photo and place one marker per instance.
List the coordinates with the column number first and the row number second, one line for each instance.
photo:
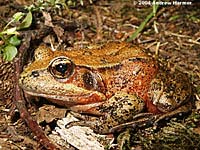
column 172, row 34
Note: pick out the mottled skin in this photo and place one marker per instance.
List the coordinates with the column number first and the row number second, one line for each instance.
column 113, row 82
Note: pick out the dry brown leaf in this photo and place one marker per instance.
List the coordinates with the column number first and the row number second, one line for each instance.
column 49, row 113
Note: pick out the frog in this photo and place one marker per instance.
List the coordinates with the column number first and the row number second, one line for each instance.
column 108, row 85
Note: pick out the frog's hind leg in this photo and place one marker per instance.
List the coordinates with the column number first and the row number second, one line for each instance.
column 149, row 119
column 179, row 111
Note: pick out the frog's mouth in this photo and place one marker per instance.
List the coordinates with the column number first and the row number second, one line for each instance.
column 68, row 100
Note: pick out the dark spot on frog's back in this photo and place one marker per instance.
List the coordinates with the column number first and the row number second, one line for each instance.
column 35, row 73
column 137, row 59
column 113, row 67
column 87, row 53
column 104, row 61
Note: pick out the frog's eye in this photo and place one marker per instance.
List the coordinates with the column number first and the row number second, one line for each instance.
column 61, row 67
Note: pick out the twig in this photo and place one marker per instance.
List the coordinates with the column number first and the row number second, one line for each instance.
column 20, row 101
column 99, row 23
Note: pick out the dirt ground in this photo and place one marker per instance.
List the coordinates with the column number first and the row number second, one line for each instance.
column 172, row 34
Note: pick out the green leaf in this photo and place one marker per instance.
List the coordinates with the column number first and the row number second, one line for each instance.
column 10, row 31
column 175, row 17
column 17, row 16
column 14, row 40
column 9, row 52
column 26, row 22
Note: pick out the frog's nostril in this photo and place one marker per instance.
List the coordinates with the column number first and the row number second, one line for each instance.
column 35, row 73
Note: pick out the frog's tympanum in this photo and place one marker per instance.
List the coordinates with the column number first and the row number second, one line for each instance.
column 110, row 84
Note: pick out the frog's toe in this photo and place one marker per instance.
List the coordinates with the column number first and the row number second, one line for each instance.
column 142, row 115
column 74, row 123
column 142, row 122
column 82, row 123
column 177, row 112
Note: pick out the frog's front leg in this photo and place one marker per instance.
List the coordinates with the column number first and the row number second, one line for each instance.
column 119, row 109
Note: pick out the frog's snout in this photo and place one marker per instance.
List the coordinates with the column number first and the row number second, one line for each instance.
column 35, row 73
column 26, row 77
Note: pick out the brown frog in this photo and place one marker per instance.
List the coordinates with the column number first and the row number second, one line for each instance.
column 111, row 84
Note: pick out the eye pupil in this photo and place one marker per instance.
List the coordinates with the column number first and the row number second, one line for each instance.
column 62, row 68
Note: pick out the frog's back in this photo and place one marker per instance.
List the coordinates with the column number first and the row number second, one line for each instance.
column 106, row 56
